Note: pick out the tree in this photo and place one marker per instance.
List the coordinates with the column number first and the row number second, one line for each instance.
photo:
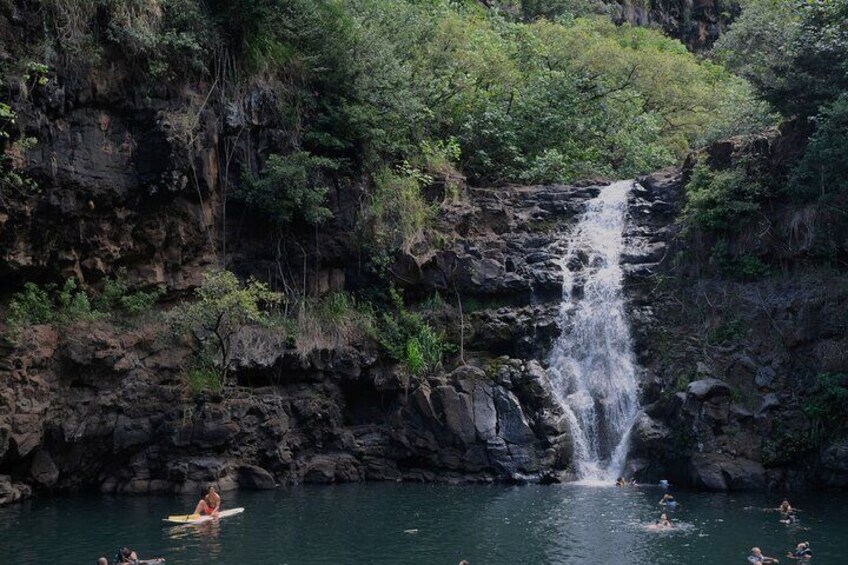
column 224, row 307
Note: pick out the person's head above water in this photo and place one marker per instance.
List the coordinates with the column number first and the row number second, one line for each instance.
column 102, row 561
column 755, row 551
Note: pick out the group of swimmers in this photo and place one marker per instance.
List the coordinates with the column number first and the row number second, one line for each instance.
column 802, row 551
column 209, row 505
column 788, row 516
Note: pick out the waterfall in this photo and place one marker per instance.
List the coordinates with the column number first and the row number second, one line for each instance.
column 592, row 364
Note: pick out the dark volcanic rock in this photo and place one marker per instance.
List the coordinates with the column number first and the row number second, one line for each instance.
column 720, row 472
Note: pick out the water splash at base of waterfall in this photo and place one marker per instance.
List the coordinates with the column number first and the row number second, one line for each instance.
column 592, row 364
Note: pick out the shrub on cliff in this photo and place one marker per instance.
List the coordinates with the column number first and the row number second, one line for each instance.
column 395, row 215
column 408, row 338
column 118, row 296
column 717, row 198
column 222, row 308
column 50, row 304
column 337, row 319
column 290, row 188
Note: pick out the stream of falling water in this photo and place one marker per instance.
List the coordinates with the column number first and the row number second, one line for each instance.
column 592, row 364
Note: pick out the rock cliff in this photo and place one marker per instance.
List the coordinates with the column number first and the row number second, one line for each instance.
column 735, row 362
column 102, row 405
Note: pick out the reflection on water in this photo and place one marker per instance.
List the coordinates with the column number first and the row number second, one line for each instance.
column 202, row 538
column 376, row 524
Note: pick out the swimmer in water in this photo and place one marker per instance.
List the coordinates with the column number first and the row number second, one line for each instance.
column 667, row 500
column 619, row 482
column 664, row 522
column 785, row 507
column 758, row 557
column 802, row 551
column 789, row 519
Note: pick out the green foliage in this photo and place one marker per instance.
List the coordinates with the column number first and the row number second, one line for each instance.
column 408, row 338
column 162, row 39
column 756, row 44
column 222, row 309
column 395, row 214
column 50, row 304
column 290, row 188
column 785, row 447
column 12, row 151
column 825, row 407
column 331, row 321
column 744, row 267
column 556, row 9
column 728, row 331
column 796, row 55
column 823, row 170
column 117, row 296
column 751, row 268
column 33, row 305
column 562, row 94
column 716, row 199
column 202, row 377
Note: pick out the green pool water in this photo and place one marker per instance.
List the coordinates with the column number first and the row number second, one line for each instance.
column 426, row 524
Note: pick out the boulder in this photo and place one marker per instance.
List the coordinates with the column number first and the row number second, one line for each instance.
column 43, row 470
column 513, row 426
column 11, row 492
column 649, row 437
column 717, row 471
column 533, row 387
column 705, row 389
column 456, row 412
column 328, row 468
column 765, row 377
column 255, row 477
column 485, row 414
column 5, row 435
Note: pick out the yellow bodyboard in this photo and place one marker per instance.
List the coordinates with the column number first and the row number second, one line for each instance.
column 200, row 518
column 183, row 517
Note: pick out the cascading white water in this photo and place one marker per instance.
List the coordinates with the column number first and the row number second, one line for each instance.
column 592, row 364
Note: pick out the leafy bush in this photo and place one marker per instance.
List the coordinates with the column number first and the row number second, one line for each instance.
column 395, row 214
column 825, row 407
column 164, row 39
column 553, row 9
column 117, row 296
column 715, row 199
column 290, row 188
column 409, row 339
column 751, row 268
column 33, row 305
column 333, row 320
column 223, row 307
column 727, row 331
column 202, row 377
column 50, row 305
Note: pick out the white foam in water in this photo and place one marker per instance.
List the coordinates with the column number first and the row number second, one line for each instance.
column 592, row 364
